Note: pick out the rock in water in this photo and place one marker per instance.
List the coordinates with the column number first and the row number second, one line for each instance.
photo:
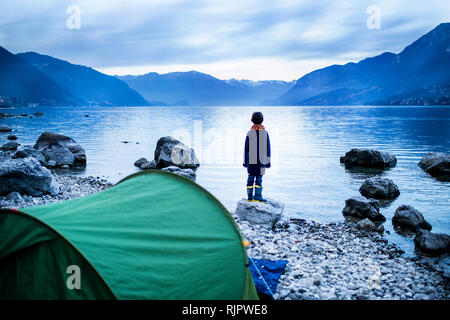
column 59, row 154
column 11, row 137
column 361, row 208
column 379, row 188
column 149, row 165
column 5, row 129
column 437, row 165
column 410, row 218
column 61, row 149
column 26, row 176
column 171, row 152
column 368, row 159
column 10, row 146
column 432, row 243
column 265, row 214
column 140, row 162
column 187, row 173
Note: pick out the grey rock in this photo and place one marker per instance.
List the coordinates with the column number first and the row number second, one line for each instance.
column 360, row 207
column 26, row 176
column 265, row 214
column 437, row 165
column 38, row 114
column 171, row 152
column 140, row 162
column 57, row 147
column 187, row 173
column 368, row 159
column 410, row 218
column 54, row 189
column 29, row 151
column 10, row 146
column 5, row 129
column 149, row 165
column 379, row 188
column 59, row 154
column 11, row 137
column 432, row 244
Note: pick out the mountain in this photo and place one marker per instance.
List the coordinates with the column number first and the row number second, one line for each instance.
column 87, row 84
column 20, row 81
column 264, row 90
column 196, row 88
column 417, row 75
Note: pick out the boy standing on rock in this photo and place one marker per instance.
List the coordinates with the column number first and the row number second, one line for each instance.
column 256, row 157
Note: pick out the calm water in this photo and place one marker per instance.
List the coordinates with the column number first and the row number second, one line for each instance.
column 306, row 144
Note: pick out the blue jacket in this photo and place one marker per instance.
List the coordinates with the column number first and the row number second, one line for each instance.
column 257, row 151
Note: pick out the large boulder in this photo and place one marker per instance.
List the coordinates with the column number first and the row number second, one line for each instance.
column 379, row 188
column 26, row 176
column 409, row 218
column 171, row 152
column 368, row 159
column 264, row 214
column 187, row 173
column 362, row 208
column 432, row 243
column 437, row 165
column 60, row 149
column 29, row 151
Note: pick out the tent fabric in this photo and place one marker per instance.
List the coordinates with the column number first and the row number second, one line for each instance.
column 154, row 235
column 266, row 274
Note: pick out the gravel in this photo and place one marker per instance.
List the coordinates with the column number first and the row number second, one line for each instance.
column 338, row 261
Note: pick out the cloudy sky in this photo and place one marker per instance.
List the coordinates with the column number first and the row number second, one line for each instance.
column 244, row 39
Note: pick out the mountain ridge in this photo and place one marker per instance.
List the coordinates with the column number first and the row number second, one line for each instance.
column 90, row 85
column 388, row 78
column 197, row 88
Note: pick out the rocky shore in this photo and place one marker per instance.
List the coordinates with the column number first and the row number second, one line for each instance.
column 70, row 187
column 338, row 261
column 325, row 261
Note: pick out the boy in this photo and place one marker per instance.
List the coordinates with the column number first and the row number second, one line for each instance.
column 256, row 157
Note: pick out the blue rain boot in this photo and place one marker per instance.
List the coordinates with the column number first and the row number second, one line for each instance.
column 250, row 193
column 258, row 194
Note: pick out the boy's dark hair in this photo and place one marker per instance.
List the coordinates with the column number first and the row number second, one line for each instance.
column 257, row 117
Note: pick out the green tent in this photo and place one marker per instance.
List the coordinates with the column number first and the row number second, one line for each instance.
column 154, row 235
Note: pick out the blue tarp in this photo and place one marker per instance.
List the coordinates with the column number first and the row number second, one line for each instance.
column 270, row 272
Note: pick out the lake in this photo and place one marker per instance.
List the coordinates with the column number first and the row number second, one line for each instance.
column 306, row 145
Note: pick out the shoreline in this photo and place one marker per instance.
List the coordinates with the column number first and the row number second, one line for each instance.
column 325, row 261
